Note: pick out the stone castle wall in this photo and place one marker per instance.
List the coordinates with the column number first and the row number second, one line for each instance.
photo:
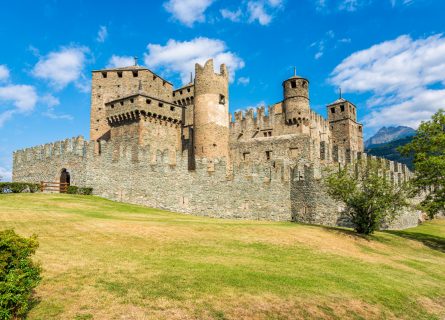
column 268, row 190
column 141, row 175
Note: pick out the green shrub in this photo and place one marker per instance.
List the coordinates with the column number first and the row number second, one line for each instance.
column 80, row 190
column 18, row 274
column 72, row 190
column 85, row 191
column 18, row 187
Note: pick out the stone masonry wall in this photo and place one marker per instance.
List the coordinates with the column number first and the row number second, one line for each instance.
column 147, row 176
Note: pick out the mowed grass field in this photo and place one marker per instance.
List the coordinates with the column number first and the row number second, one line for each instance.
column 108, row 260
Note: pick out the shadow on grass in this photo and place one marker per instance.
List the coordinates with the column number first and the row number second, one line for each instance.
column 431, row 241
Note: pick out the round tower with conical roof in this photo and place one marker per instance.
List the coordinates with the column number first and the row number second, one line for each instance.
column 296, row 100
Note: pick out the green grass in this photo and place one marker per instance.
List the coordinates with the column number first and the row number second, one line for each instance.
column 107, row 260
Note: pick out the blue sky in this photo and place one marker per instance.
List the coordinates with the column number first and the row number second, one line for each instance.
column 387, row 55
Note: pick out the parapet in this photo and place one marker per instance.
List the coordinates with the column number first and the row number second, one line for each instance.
column 74, row 146
column 207, row 81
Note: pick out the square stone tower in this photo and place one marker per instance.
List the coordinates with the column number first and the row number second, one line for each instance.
column 346, row 131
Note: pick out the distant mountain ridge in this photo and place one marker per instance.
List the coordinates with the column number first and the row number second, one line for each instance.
column 388, row 134
column 389, row 150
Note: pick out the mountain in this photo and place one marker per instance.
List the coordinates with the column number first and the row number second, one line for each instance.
column 389, row 151
column 388, row 134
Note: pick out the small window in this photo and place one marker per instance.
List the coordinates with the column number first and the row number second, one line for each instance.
column 131, row 100
column 265, row 134
column 97, row 120
column 333, row 110
column 164, row 82
column 246, row 155
column 154, row 77
column 174, row 94
column 268, row 155
column 112, row 106
column 104, row 75
column 342, row 108
column 270, row 133
column 172, row 108
column 222, row 99
column 188, row 90
column 148, row 101
column 160, row 104
column 293, row 84
column 304, row 84
column 119, row 74
column 135, row 74
column 122, row 103
column 180, row 92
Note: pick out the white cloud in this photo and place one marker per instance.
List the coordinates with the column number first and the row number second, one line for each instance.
column 188, row 11
column 180, row 57
column 234, row 16
column 261, row 11
column 4, row 72
column 62, row 67
column 22, row 97
column 14, row 98
column 102, row 34
column 51, row 102
column 406, row 78
column 5, row 116
column 120, row 61
column 243, row 81
column 262, row 103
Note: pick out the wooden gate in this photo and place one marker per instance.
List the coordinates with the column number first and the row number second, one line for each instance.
column 61, row 187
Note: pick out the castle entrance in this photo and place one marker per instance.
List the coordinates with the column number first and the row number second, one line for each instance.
column 65, row 180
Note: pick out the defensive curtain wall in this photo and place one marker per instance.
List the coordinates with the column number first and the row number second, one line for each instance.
column 129, row 172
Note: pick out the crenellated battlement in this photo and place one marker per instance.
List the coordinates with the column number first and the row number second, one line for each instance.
column 74, row 146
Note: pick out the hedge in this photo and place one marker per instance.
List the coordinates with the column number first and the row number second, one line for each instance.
column 79, row 190
column 18, row 187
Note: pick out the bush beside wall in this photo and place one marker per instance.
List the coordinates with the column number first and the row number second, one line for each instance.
column 79, row 190
column 18, row 187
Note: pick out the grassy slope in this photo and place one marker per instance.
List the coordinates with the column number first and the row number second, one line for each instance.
column 107, row 260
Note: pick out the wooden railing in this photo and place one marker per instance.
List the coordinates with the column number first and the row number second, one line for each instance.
column 61, row 187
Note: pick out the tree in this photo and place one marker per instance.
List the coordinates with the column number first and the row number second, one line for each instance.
column 18, row 274
column 428, row 149
column 369, row 196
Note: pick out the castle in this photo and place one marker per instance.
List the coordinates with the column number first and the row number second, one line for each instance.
column 181, row 150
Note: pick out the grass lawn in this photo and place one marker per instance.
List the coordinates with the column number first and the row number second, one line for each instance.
column 107, row 260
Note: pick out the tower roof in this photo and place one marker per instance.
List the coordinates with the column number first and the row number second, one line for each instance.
column 340, row 100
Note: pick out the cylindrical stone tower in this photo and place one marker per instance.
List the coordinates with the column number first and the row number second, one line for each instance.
column 211, row 112
column 296, row 100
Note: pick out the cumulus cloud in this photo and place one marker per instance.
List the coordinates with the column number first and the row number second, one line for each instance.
column 178, row 57
column 4, row 72
column 406, row 78
column 120, row 61
column 102, row 34
column 261, row 11
column 22, row 97
column 188, row 11
column 62, row 67
column 17, row 99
